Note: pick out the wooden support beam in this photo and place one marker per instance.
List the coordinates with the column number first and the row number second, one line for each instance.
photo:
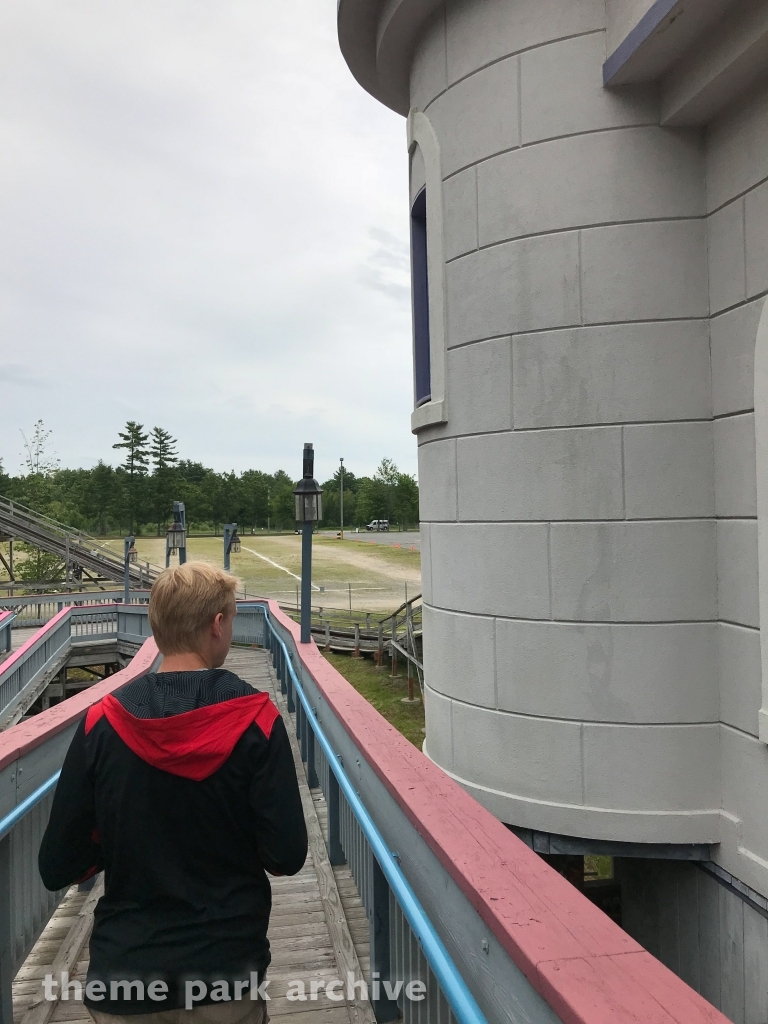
column 8, row 567
column 92, row 578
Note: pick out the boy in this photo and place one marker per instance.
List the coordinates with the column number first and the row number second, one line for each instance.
column 182, row 787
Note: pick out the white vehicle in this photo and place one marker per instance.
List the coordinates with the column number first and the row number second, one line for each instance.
column 378, row 526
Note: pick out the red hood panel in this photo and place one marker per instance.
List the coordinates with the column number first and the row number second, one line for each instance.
column 194, row 744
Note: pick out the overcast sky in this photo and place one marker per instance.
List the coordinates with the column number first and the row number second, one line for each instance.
column 204, row 227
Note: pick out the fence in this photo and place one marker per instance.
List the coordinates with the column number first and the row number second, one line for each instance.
column 398, row 633
column 29, row 669
column 453, row 899
column 501, row 935
column 37, row 609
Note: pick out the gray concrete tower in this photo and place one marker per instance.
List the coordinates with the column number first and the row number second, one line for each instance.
column 597, row 263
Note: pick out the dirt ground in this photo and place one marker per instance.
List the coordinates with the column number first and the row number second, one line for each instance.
column 375, row 578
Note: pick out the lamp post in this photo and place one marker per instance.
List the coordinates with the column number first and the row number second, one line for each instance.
column 341, row 495
column 309, row 510
column 231, row 542
column 176, row 536
column 130, row 555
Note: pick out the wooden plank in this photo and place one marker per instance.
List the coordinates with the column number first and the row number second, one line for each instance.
column 310, row 905
column 709, row 937
column 311, row 963
column 731, row 954
column 298, row 930
column 688, row 910
column 301, row 942
column 755, row 967
column 302, row 919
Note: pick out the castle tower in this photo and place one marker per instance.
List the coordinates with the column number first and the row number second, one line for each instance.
column 589, row 214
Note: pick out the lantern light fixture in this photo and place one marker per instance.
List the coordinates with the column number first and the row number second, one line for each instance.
column 175, row 537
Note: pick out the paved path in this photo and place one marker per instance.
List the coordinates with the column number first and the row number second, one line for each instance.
column 407, row 539
column 318, row 928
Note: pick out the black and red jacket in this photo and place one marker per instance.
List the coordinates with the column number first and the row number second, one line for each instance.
column 182, row 787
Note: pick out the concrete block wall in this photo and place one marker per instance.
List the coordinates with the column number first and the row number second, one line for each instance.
column 736, row 154
column 569, row 500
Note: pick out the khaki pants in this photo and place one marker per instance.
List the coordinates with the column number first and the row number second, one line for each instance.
column 244, row 1011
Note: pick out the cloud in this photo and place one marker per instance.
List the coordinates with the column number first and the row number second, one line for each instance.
column 205, row 227
column 19, row 375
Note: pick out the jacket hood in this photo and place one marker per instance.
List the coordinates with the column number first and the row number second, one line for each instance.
column 193, row 744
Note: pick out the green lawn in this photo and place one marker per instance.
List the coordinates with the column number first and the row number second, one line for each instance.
column 268, row 566
column 384, row 693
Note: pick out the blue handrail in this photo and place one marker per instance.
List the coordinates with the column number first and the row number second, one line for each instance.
column 461, row 1000
column 18, row 812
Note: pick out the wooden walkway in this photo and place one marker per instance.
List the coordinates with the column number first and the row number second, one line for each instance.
column 318, row 929
column 20, row 636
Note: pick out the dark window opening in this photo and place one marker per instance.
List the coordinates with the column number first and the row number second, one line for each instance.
column 420, row 285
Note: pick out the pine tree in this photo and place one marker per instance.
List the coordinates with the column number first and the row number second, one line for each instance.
column 162, row 451
column 134, row 441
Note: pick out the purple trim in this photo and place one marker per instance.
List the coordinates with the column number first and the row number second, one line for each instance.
column 632, row 43
column 420, row 283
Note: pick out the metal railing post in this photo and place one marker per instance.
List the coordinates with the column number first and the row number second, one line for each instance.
column 384, row 1007
column 356, row 652
column 327, row 634
column 335, row 850
column 312, row 780
column 289, row 693
column 301, row 720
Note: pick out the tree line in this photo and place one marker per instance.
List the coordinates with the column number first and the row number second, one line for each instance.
column 137, row 496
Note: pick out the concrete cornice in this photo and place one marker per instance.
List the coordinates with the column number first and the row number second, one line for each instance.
column 377, row 39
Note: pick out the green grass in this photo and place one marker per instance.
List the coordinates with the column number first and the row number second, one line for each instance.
column 384, row 693
column 377, row 574
column 598, row 867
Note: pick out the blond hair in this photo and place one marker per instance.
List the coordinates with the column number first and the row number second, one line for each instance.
column 184, row 601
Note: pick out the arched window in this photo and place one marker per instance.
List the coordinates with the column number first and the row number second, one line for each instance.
column 420, row 286
column 427, row 274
